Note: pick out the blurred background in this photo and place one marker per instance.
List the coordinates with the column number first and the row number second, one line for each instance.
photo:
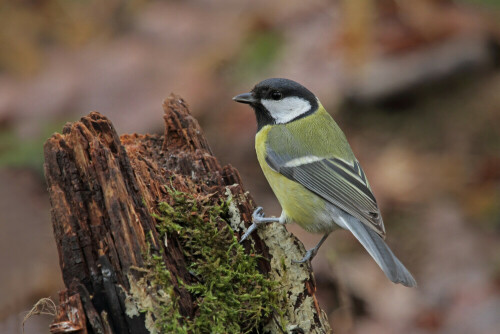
column 415, row 85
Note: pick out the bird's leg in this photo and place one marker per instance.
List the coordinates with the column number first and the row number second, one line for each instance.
column 311, row 253
column 257, row 219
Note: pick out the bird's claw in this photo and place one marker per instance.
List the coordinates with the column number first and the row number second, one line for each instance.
column 310, row 254
column 250, row 230
column 258, row 217
column 258, row 214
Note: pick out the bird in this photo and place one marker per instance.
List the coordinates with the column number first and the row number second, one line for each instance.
column 314, row 174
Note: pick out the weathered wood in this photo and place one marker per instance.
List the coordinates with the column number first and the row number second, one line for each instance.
column 104, row 191
column 70, row 316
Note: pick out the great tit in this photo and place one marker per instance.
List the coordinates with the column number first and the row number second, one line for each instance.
column 313, row 172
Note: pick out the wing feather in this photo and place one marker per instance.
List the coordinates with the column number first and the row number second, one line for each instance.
column 339, row 182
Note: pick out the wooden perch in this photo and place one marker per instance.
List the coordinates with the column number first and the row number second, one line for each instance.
column 106, row 194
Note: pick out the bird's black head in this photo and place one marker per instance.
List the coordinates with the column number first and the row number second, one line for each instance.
column 279, row 101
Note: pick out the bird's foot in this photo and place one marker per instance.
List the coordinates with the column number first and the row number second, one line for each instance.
column 258, row 218
column 310, row 254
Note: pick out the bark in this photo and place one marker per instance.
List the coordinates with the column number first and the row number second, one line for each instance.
column 104, row 191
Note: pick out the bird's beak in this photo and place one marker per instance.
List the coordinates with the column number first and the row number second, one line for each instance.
column 245, row 98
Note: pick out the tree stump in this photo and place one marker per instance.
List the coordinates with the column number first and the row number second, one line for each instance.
column 131, row 261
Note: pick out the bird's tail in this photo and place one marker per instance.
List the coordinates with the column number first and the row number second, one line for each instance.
column 375, row 245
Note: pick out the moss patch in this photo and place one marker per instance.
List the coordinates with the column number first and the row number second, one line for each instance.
column 153, row 295
column 231, row 295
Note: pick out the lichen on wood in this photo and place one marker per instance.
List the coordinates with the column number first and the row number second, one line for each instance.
column 141, row 222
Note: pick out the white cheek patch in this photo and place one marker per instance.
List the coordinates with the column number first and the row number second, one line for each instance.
column 285, row 110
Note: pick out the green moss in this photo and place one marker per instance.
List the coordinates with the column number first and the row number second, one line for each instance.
column 231, row 295
column 161, row 307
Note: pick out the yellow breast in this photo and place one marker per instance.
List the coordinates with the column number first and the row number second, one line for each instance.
column 299, row 204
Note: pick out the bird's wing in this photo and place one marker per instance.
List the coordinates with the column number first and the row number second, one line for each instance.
column 341, row 182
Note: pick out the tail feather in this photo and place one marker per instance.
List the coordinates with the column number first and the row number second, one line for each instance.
column 380, row 252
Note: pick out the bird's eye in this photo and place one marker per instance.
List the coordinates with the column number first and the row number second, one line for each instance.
column 276, row 95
